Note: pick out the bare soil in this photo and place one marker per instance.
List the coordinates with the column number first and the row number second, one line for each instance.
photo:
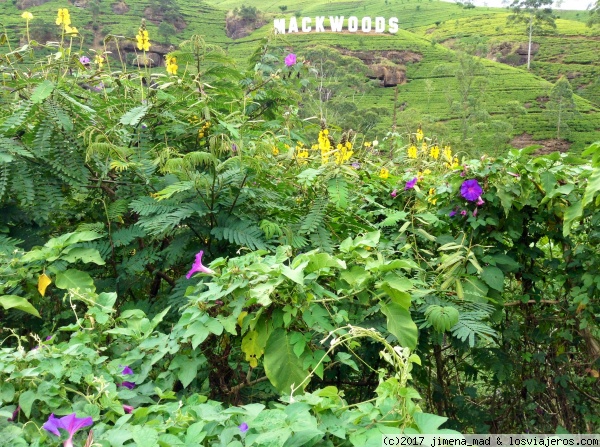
column 548, row 146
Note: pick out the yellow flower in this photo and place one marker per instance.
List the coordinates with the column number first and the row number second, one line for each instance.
column 424, row 147
column 384, row 173
column 427, row 171
column 412, row 152
column 419, row 134
column 447, row 153
column 63, row 17
column 275, row 150
column 367, row 144
column 435, row 152
column 99, row 60
column 27, row 15
column 143, row 41
column 172, row 65
column 71, row 30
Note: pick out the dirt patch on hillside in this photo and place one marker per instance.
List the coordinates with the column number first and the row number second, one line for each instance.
column 548, row 146
column 24, row 4
column 237, row 27
column 156, row 16
column 387, row 66
column 119, row 8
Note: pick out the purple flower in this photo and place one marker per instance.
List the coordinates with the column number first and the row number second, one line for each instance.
column 243, row 427
column 394, row 193
column 410, row 184
column 84, row 60
column 356, row 165
column 463, row 213
column 471, row 190
column 49, row 337
column 234, row 147
column 475, row 212
column 70, row 423
column 128, row 385
column 290, row 59
column 198, row 267
column 15, row 414
column 127, row 371
column 452, row 213
column 480, row 201
column 128, row 409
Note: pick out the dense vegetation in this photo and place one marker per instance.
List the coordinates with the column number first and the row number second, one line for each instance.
column 188, row 258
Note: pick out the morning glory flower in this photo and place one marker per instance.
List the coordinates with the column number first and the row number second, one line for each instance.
column 480, row 201
column 70, row 423
column 128, row 409
column 198, row 267
column 471, row 190
column 410, row 184
column 394, row 193
column 243, row 427
column 452, row 213
column 128, row 385
column 290, row 59
column 127, row 371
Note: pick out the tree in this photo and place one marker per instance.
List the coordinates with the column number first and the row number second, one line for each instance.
column 594, row 14
column 535, row 13
column 166, row 30
column 561, row 106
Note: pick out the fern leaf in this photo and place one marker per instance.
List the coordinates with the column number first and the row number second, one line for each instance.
column 241, row 233
column 338, row 191
column 315, row 217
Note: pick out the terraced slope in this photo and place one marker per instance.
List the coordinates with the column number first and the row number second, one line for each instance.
column 430, row 30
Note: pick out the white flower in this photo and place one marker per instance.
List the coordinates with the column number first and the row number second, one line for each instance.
column 375, row 143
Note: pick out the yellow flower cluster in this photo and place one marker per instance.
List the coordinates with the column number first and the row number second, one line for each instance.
column 171, row 65
column 143, row 41
column 27, row 16
column 384, row 173
column 324, row 146
column 434, row 152
column 64, row 19
column 275, row 150
column 450, row 161
column 301, row 153
column 204, row 129
column 99, row 60
column 419, row 134
column 412, row 151
column 431, row 199
column 343, row 153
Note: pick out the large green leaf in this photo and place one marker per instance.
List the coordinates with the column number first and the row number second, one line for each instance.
column 16, row 302
column 282, row 366
column 74, row 279
column 84, row 254
column 400, row 324
column 493, row 277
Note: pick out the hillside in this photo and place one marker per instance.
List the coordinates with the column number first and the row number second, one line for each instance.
column 425, row 67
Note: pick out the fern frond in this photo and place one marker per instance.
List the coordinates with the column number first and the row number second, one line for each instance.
column 315, row 217
column 242, row 233
column 338, row 191
column 322, row 239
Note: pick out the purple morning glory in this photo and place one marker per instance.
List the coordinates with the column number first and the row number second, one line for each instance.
column 452, row 213
column 70, row 423
column 15, row 414
column 410, row 184
column 198, row 267
column 290, row 59
column 471, row 190
column 463, row 213
column 128, row 385
column 356, row 165
column 128, row 409
column 127, row 371
column 480, row 201
column 243, row 427
column 394, row 193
